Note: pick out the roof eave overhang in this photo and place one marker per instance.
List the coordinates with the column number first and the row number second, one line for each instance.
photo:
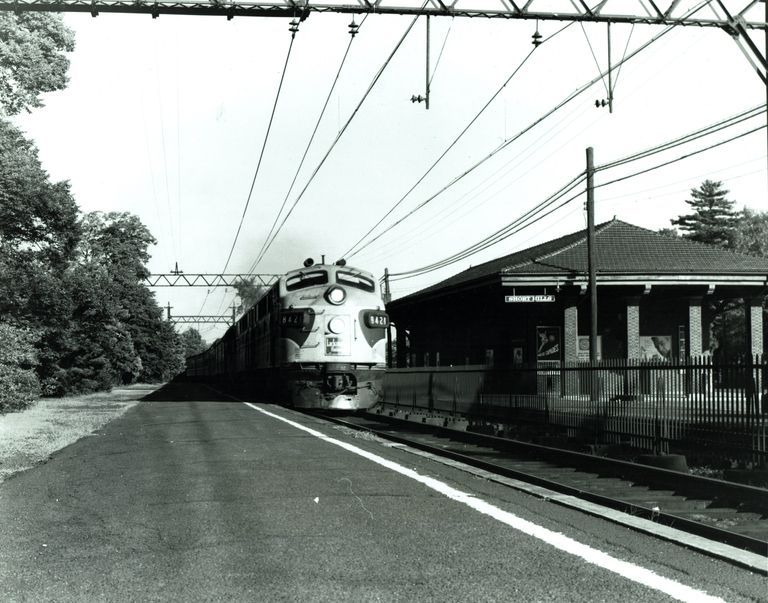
column 418, row 297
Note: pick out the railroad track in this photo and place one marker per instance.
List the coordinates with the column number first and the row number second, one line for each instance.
column 712, row 510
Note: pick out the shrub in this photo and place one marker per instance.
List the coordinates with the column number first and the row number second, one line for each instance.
column 19, row 385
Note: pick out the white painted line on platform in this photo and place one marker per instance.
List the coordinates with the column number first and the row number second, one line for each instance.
column 716, row 549
column 591, row 555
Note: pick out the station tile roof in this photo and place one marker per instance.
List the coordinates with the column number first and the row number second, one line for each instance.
column 621, row 249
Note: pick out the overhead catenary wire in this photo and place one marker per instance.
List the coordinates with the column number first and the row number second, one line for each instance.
column 528, row 219
column 263, row 248
column 498, row 235
column 351, row 251
column 477, row 190
column 258, row 164
column 741, row 117
column 682, row 157
column 339, row 135
column 261, row 154
column 509, row 141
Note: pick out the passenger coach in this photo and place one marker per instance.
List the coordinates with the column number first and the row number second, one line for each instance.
column 315, row 339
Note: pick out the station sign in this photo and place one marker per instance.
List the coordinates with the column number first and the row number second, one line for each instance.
column 527, row 299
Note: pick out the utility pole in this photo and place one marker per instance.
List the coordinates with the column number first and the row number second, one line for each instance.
column 168, row 309
column 386, row 294
column 591, row 256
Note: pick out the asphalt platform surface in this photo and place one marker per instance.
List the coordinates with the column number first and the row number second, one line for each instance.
column 194, row 496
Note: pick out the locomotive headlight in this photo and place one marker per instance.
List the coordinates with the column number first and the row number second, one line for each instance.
column 337, row 325
column 336, row 295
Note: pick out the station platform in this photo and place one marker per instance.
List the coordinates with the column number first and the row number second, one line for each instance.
column 195, row 495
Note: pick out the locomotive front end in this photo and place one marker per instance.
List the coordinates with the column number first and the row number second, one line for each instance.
column 332, row 338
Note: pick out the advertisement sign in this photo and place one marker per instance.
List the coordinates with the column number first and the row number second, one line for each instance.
column 656, row 347
column 583, row 352
column 548, row 343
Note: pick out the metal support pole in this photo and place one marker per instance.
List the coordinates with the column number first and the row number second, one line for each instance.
column 591, row 256
column 168, row 309
column 610, row 72
column 426, row 100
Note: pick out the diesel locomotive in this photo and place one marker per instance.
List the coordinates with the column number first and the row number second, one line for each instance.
column 314, row 339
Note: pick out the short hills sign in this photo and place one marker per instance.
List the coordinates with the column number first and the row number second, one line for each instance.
column 527, row 299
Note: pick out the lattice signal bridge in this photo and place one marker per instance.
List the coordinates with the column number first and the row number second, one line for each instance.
column 173, row 279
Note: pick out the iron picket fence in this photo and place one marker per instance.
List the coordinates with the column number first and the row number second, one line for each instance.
column 711, row 408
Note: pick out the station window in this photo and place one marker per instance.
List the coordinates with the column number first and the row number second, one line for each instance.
column 306, row 279
column 358, row 281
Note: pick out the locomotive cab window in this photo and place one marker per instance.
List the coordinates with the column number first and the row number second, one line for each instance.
column 355, row 280
column 306, row 279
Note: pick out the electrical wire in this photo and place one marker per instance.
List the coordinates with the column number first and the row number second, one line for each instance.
column 686, row 156
column 690, row 137
column 530, row 217
column 351, row 251
column 460, row 203
column 557, row 107
column 263, row 248
column 261, row 155
column 339, row 135
column 258, row 166
column 499, row 235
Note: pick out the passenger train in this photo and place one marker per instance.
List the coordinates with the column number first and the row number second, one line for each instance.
column 314, row 339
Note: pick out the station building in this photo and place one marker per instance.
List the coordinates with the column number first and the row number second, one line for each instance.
column 532, row 307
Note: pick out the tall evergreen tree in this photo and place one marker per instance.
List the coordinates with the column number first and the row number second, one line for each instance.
column 713, row 220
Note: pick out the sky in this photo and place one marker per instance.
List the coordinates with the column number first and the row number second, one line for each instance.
column 166, row 118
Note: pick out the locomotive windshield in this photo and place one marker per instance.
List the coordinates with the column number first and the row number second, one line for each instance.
column 351, row 279
column 306, row 279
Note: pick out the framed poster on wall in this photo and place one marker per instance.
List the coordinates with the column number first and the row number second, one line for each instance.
column 548, row 344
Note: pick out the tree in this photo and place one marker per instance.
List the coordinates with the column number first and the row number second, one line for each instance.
column 713, row 220
column 36, row 216
column 668, row 232
column 751, row 235
column 249, row 293
column 33, row 60
column 117, row 245
column 192, row 342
